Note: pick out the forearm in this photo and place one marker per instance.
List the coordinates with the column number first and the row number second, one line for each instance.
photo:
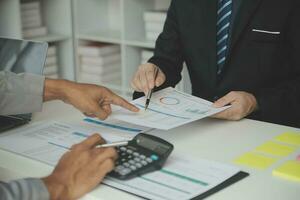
column 24, row 189
column 25, row 93
column 56, row 89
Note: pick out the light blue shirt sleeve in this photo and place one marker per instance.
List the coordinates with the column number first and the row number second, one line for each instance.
column 20, row 93
column 24, row 189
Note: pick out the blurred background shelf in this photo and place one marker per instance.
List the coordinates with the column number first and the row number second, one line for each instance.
column 71, row 24
column 140, row 43
column 52, row 38
column 109, row 36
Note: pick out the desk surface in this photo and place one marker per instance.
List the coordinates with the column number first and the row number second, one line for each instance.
column 209, row 139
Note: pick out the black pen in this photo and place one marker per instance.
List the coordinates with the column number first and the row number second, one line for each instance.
column 149, row 95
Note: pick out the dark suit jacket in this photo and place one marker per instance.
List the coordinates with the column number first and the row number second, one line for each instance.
column 266, row 65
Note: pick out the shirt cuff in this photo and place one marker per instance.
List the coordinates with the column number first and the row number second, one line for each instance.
column 21, row 93
column 35, row 84
column 24, row 189
column 37, row 188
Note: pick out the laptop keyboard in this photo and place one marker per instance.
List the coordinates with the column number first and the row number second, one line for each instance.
column 7, row 122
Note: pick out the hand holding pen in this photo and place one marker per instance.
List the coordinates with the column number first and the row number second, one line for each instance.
column 145, row 80
column 149, row 95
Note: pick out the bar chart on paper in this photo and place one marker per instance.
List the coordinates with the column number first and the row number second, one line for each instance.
column 169, row 108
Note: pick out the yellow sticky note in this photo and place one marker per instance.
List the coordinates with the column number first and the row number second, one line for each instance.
column 290, row 171
column 275, row 149
column 289, row 138
column 255, row 160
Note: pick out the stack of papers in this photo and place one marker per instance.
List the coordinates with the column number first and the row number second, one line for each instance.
column 32, row 20
column 51, row 65
column 169, row 108
column 154, row 23
column 99, row 63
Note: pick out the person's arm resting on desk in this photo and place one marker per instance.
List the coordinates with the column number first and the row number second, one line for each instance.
column 78, row 172
column 25, row 93
column 92, row 100
column 82, row 168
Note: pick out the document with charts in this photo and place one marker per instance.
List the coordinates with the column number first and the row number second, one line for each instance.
column 48, row 141
column 182, row 177
column 169, row 108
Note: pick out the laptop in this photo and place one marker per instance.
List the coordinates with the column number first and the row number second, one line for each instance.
column 20, row 56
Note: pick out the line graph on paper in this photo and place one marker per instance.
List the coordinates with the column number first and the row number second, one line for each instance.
column 175, row 102
column 169, row 100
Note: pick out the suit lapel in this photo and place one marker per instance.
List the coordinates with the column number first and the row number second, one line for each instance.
column 246, row 11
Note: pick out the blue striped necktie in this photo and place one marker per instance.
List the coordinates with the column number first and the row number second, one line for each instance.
column 224, row 13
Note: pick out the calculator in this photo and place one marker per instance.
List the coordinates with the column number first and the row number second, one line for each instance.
column 144, row 153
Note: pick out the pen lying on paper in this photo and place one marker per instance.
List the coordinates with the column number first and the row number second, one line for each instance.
column 149, row 95
column 113, row 144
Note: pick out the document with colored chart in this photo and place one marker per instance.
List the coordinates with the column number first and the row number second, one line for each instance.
column 182, row 177
column 48, row 141
column 169, row 108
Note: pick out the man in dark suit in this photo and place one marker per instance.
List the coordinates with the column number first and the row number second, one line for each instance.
column 240, row 52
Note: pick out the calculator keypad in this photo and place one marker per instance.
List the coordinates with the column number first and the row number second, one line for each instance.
column 130, row 161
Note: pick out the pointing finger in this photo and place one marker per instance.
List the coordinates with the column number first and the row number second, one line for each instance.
column 117, row 100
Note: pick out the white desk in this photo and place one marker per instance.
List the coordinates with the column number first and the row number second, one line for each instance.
column 210, row 139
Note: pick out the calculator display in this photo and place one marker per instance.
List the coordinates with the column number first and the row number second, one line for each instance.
column 152, row 145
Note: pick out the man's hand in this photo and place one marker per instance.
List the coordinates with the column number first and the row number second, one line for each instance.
column 92, row 100
column 242, row 104
column 80, row 170
column 144, row 78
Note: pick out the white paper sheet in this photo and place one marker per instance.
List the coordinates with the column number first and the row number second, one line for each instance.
column 183, row 177
column 169, row 108
column 48, row 142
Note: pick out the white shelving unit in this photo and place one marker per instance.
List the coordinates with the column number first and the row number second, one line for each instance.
column 71, row 23
column 57, row 17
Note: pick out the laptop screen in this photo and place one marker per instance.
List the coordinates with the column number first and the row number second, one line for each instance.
column 21, row 56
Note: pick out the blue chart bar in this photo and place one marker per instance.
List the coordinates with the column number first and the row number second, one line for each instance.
column 58, row 145
column 180, row 117
column 80, row 134
column 113, row 126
